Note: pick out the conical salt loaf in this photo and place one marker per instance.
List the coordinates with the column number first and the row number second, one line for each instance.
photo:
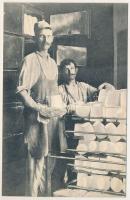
column 82, row 110
column 120, row 147
column 123, row 98
column 99, row 128
column 102, row 182
column 87, row 127
column 112, row 129
column 87, row 165
column 121, row 129
column 83, row 129
column 116, row 164
column 82, row 147
column 96, row 110
column 112, row 98
column 90, row 182
column 80, row 162
column 94, row 163
column 93, row 146
column 102, row 95
column 108, row 164
column 78, row 129
column 116, row 184
column 111, row 112
column 104, row 146
column 82, row 180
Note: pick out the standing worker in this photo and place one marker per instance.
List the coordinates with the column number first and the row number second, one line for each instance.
column 37, row 84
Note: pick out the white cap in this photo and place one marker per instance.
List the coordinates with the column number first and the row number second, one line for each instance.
column 41, row 25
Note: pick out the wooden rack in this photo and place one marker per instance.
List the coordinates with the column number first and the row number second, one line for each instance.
column 87, row 157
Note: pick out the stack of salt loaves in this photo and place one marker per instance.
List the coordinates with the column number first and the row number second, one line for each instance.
column 114, row 102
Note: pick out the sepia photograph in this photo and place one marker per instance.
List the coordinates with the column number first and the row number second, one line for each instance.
column 65, row 90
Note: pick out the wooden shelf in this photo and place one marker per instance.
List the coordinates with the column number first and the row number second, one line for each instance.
column 96, row 190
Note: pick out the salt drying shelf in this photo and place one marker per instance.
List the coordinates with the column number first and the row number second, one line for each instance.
column 109, row 172
column 113, row 172
column 96, row 190
column 75, row 117
column 91, row 133
column 99, row 153
column 84, row 159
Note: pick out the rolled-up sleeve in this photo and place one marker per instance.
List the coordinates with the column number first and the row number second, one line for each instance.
column 29, row 74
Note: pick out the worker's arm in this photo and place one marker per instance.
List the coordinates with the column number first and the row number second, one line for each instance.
column 28, row 101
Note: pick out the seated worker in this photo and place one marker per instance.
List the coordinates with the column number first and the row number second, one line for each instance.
column 74, row 92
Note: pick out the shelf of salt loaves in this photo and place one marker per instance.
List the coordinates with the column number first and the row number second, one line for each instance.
column 109, row 164
column 90, row 145
column 81, row 129
column 100, row 182
column 102, row 193
column 89, row 131
column 113, row 103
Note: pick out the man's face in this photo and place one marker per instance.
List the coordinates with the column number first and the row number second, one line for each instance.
column 72, row 71
column 45, row 39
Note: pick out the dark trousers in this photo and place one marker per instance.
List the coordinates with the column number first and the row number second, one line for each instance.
column 61, row 165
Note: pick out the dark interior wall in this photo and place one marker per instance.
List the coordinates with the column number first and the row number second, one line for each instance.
column 100, row 46
column 100, row 52
column 120, row 31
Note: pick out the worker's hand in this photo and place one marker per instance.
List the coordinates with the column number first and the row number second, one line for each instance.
column 44, row 110
column 106, row 86
column 50, row 112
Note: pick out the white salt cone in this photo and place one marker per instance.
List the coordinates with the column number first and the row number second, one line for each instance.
column 96, row 110
column 80, row 163
column 120, row 164
column 78, row 129
column 99, row 128
column 87, row 127
column 122, row 113
column 102, row 95
column 116, row 184
column 123, row 98
column 82, row 110
column 102, row 182
column 111, row 112
column 121, row 129
column 82, row 148
column 93, row 146
column 90, row 182
column 112, row 129
column 112, row 98
column 120, row 147
column 82, row 180
column 95, row 163
column 104, row 146
column 87, row 166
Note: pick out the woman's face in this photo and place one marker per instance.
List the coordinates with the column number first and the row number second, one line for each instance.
column 45, row 39
column 72, row 71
